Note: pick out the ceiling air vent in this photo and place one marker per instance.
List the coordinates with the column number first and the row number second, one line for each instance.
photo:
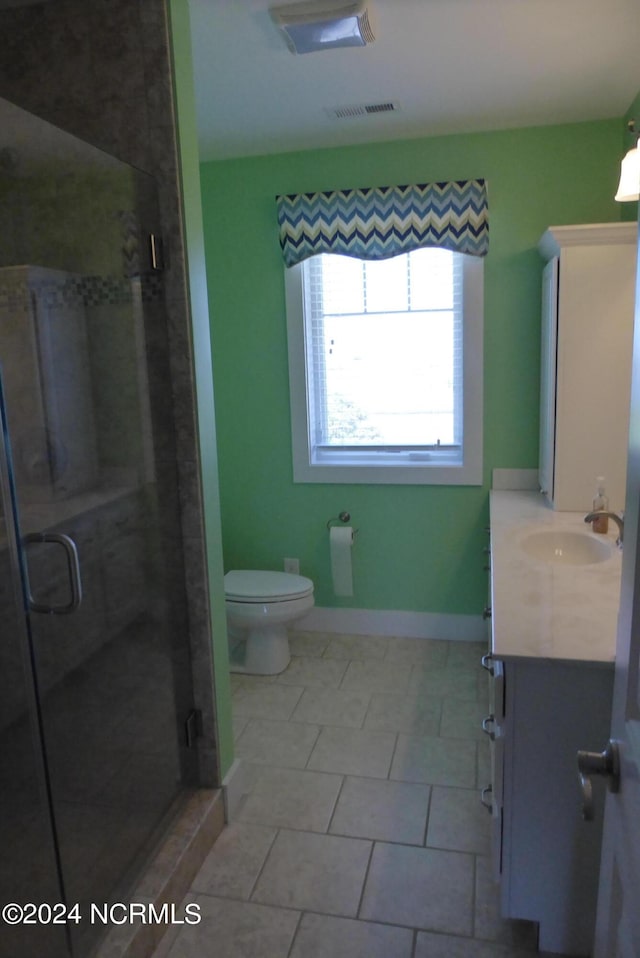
column 361, row 109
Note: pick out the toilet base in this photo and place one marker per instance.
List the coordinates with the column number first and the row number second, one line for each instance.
column 266, row 652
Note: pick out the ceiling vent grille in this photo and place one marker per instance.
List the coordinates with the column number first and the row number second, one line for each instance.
column 362, row 109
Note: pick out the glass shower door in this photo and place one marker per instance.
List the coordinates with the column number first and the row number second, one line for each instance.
column 88, row 409
column 28, row 863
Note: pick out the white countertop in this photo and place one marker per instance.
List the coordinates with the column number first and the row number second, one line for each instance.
column 549, row 610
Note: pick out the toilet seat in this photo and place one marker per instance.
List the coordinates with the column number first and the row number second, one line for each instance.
column 259, row 586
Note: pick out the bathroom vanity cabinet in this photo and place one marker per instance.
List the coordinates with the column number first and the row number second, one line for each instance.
column 587, row 326
column 551, row 677
column 546, row 855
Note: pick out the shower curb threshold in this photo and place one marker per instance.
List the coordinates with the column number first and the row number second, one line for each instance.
column 168, row 878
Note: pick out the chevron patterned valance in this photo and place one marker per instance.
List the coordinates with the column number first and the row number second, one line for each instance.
column 380, row 222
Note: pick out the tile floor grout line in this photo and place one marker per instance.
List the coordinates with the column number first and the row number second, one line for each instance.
column 305, row 767
column 363, row 921
column 366, row 711
column 307, row 830
column 341, row 686
column 335, row 804
column 262, row 867
column 393, row 755
column 426, row 821
column 366, row 714
column 295, row 933
column 364, row 882
column 295, row 704
column 400, row 843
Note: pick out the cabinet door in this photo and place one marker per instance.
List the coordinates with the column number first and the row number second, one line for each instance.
column 550, row 856
column 548, row 374
column 594, row 347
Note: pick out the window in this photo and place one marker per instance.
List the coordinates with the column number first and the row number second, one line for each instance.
column 386, row 368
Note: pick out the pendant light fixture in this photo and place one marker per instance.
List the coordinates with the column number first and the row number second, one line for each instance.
column 629, row 185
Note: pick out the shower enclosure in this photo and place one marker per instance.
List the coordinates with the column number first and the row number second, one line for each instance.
column 96, row 704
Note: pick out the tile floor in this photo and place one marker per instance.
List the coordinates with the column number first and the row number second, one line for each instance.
column 362, row 835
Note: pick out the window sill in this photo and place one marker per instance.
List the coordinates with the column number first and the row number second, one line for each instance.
column 417, row 473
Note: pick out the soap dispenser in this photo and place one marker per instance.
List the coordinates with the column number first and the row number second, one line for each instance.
column 600, row 501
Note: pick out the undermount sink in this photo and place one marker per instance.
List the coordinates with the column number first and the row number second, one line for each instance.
column 567, row 548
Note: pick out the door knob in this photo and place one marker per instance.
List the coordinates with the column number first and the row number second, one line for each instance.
column 605, row 764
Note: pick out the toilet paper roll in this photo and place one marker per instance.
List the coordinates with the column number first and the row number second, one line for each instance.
column 340, row 542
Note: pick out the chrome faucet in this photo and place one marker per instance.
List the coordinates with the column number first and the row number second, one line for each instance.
column 602, row 513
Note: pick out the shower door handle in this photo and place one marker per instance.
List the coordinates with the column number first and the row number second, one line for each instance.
column 73, row 567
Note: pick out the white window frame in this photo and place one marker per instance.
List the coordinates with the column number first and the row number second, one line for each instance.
column 428, row 468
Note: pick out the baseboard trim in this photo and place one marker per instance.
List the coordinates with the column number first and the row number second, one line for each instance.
column 416, row 625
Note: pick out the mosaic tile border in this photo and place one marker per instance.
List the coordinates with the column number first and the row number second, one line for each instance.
column 65, row 289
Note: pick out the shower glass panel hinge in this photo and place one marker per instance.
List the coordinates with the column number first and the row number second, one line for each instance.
column 193, row 727
column 157, row 252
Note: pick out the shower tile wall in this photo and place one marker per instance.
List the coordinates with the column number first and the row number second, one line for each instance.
column 101, row 71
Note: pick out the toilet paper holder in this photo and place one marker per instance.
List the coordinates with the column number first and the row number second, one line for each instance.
column 341, row 517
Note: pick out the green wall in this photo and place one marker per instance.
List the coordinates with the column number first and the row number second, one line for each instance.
column 419, row 548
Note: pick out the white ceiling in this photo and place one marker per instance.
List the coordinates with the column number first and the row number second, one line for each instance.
column 452, row 66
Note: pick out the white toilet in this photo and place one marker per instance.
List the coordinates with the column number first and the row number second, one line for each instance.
column 260, row 606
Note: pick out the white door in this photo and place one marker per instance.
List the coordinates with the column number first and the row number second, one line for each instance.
column 618, row 920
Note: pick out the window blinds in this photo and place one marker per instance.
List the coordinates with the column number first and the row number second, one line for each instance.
column 384, row 351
